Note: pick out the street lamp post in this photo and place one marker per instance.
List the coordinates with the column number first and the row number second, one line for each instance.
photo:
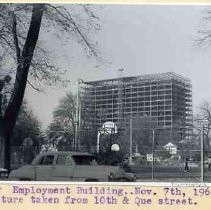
column 98, row 142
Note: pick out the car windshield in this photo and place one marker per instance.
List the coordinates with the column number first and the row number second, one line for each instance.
column 84, row 160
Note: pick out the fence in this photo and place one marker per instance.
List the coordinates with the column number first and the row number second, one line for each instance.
column 162, row 164
column 184, row 165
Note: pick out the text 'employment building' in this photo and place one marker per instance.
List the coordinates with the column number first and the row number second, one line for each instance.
column 164, row 99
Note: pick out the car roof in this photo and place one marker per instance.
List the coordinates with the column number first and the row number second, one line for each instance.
column 75, row 153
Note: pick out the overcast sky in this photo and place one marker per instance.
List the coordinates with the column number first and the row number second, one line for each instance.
column 141, row 39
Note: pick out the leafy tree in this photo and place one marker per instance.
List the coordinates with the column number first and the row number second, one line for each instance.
column 3, row 93
column 20, row 26
column 26, row 136
column 27, row 126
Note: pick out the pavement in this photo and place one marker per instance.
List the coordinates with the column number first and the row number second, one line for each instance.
column 172, row 175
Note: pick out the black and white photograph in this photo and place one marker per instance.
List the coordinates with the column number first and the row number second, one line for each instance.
column 105, row 92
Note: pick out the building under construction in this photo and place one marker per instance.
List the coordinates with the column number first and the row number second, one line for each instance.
column 164, row 99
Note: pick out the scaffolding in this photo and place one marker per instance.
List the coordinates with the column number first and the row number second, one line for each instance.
column 165, row 98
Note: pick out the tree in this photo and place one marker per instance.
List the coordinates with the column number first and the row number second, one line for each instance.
column 26, row 136
column 164, row 154
column 64, row 119
column 27, row 126
column 204, row 33
column 3, row 93
column 19, row 32
column 205, row 118
column 65, row 113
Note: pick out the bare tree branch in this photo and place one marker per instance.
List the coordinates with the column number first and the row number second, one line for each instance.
column 20, row 27
column 33, row 86
column 69, row 18
column 15, row 37
column 204, row 34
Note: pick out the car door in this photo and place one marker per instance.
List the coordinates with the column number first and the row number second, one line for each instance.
column 64, row 168
column 44, row 167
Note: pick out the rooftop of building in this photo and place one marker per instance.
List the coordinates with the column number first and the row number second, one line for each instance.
column 146, row 77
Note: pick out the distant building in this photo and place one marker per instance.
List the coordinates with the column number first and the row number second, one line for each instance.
column 171, row 148
column 164, row 99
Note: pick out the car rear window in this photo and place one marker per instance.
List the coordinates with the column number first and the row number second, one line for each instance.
column 84, row 160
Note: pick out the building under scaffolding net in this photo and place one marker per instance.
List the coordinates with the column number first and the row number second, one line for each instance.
column 157, row 101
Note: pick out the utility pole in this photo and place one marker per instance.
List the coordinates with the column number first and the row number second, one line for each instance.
column 153, row 151
column 120, row 97
column 131, row 141
column 203, row 121
column 202, row 153
column 77, row 121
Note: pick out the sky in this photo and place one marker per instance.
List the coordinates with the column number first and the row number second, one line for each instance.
column 141, row 39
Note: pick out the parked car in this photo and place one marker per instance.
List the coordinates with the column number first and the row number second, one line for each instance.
column 69, row 166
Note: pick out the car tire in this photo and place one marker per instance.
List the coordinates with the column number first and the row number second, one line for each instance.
column 91, row 180
column 25, row 179
column 122, row 180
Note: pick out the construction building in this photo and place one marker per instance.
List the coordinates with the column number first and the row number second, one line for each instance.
column 165, row 99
